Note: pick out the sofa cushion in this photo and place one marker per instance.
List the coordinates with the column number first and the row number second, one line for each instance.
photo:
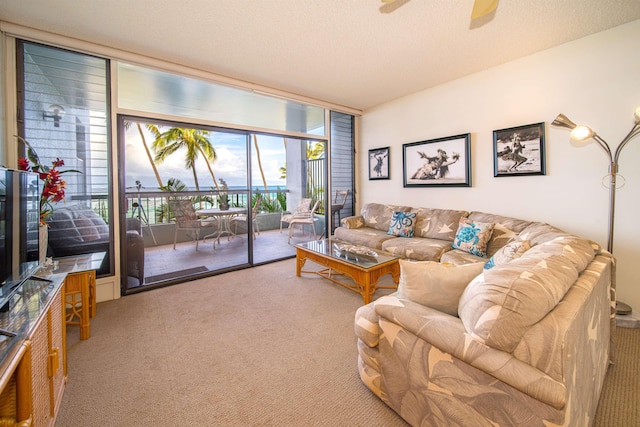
column 458, row 257
column 417, row 248
column 438, row 223
column 402, row 224
column 378, row 216
column 100, row 224
column 87, row 229
column 365, row 236
column 547, row 240
column 508, row 252
column 435, row 284
column 473, row 236
column 499, row 306
column 62, row 229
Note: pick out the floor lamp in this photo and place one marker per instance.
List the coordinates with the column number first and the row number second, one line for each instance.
column 580, row 133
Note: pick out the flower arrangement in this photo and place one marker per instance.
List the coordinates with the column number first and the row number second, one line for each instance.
column 51, row 177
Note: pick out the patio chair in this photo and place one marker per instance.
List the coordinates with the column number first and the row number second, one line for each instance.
column 186, row 219
column 309, row 219
column 254, row 217
column 302, row 210
column 337, row 205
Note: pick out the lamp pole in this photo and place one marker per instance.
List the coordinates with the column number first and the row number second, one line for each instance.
column 580, row 133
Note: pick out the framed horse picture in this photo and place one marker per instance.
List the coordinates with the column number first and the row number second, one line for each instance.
column 519, row 151
column 379, row 163
column 442, row 162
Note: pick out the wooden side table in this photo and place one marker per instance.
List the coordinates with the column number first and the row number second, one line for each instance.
column 80, row 289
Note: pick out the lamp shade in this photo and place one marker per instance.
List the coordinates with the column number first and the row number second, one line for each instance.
column 563, row 121
column 580, row 133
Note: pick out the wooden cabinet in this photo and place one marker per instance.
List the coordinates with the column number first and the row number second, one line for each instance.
column 33, row 372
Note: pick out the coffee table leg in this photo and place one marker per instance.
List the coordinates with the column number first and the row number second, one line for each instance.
column 367, row 291
column 300, row 260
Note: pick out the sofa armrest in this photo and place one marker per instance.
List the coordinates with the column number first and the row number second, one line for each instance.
column 447, row 334
column 351, row 222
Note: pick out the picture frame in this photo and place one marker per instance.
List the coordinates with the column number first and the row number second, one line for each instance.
column 519, row 151
column 442, row 162
column 379, row 163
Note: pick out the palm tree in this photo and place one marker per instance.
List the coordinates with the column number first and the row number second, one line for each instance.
column 154, row 130
column 255, row 143
column 194, row 141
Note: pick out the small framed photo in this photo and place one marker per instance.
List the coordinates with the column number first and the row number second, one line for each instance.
column 443, row 162
column 519, row 151
column 379, row 163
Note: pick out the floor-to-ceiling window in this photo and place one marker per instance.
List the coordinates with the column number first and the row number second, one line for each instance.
column 64, row 115
column 266, row 154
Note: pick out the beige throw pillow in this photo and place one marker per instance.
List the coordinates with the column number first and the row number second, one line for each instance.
column 436, row 285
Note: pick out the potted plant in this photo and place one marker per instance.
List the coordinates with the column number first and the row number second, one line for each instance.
column 223, row 196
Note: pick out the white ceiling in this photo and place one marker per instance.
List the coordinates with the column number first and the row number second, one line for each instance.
column 346, row 52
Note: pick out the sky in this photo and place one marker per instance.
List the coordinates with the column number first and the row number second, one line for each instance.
column 231, row 163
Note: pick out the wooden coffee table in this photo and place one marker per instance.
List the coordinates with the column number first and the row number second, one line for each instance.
column 363, row 265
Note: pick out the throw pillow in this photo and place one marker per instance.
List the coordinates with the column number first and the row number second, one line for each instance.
column 436, row 285
column 508, row 252
column 473, row 237
column 402, row 224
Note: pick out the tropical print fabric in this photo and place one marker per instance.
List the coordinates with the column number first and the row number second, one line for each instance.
column 402, row 224
column 427, row 366
column 417, row 248
column 378, row 216
column 473, row 237
column 438, row 223
column 508, row 252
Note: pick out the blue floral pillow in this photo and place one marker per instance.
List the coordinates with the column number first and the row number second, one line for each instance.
column 403, row 224
column 473, row 237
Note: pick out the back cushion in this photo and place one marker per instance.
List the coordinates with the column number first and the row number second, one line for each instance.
column 499, row 306
column 378, row 216
column 439, row 224
column 87, row 229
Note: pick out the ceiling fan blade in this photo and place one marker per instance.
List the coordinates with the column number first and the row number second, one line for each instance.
column 391, row 5
column 483, row 8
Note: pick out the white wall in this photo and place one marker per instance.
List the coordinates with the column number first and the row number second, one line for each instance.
column 594, row 81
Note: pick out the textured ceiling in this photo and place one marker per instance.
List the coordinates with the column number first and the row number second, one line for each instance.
column 346, row 52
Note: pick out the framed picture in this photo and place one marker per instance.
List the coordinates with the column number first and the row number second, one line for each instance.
column 379, row 163
column 519, row 151
column 443, row 162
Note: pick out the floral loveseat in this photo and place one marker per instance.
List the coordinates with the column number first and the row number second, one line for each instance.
column 524, row 339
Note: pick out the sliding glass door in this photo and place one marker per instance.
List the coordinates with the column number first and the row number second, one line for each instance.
column 199, row 201
column 185, row 202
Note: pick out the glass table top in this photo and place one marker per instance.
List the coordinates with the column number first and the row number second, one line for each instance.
column 361, row 256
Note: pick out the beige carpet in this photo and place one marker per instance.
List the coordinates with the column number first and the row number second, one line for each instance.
column 248, row 348
column 257, row 347
column 620, row 396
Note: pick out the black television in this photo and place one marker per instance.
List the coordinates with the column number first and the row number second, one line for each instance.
column 19, row 229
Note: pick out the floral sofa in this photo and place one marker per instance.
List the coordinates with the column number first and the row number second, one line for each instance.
column 521, row 334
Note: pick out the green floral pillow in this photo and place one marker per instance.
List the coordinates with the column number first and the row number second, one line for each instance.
column 402, row 224
column 473, row 237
